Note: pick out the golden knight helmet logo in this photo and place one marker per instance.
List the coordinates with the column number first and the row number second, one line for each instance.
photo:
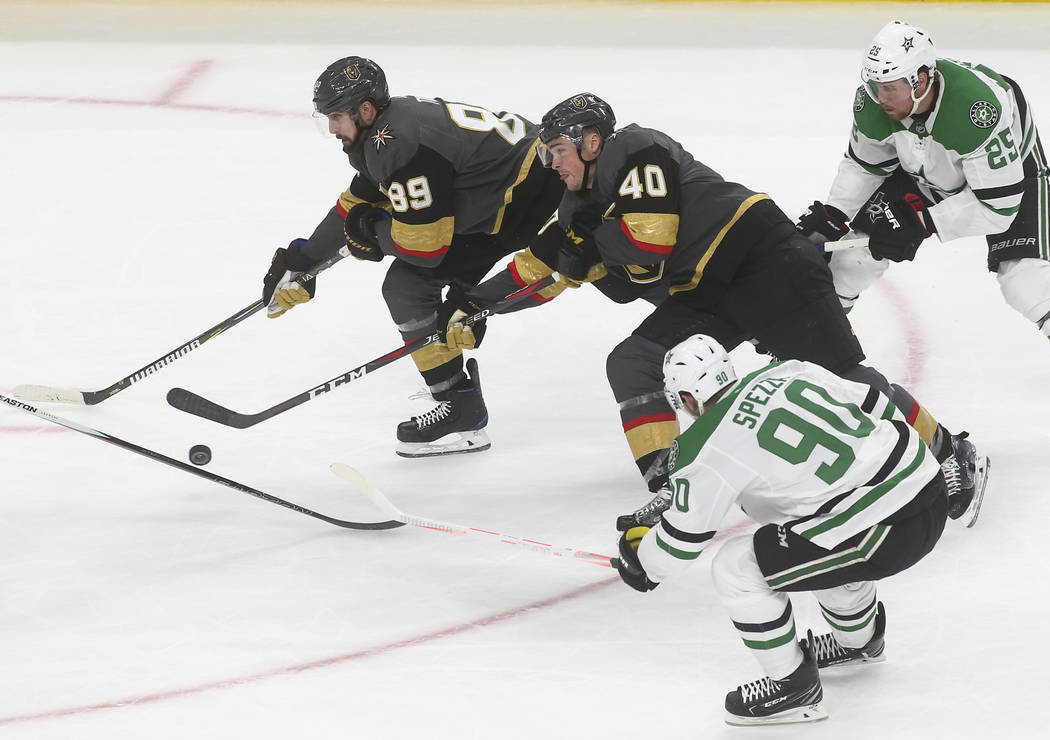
column 579, row 102
column 352, row 72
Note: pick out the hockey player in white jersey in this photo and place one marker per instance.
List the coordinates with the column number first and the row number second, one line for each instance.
column 846, row 493
column 940, row 147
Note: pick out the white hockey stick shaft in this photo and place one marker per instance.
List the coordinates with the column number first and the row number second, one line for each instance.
column 843, row 244
column 384, row 504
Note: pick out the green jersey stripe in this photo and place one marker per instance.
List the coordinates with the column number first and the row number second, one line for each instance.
column 674, row 551
column 869, row 498
column 834, row 561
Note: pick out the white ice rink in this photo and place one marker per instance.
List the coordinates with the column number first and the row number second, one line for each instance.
column 151, row 161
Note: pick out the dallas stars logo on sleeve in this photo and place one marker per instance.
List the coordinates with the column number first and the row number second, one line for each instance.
column 383, row 137
column 983, row 114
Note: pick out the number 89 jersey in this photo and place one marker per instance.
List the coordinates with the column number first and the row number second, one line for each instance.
column 445, row 168
column 793, row 442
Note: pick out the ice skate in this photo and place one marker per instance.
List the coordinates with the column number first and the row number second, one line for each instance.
column 966, row 475
column 769, row 701
column 456, row 425
column 830, row 654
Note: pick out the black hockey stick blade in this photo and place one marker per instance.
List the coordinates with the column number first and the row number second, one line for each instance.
column 48, row 394
column 191, row 403
column 185, row 467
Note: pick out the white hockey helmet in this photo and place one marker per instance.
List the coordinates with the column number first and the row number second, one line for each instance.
column 899, row 51
column 699, row 366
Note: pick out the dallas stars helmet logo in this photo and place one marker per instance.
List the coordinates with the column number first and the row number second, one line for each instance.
column 909, row 43
column 382, row 137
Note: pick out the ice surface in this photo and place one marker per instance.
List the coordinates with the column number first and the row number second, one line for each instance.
column 152, row 159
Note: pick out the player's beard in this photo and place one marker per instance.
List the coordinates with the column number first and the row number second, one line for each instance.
column 358, row 144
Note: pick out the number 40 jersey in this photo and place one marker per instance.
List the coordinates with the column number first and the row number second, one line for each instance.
column 795, row 443
column 444, row 168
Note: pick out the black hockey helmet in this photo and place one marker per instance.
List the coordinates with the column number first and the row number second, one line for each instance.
column 349, row 82
column 570, row 117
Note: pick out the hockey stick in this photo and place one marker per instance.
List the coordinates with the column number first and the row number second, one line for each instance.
column 843, row 244
column 191, row 469
column 46, row 393
column 384, row 504
column 191, row 403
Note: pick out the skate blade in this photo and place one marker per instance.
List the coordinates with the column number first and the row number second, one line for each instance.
column 811, row 713
column 458, row 443
column 984, row 465
column 880, row 658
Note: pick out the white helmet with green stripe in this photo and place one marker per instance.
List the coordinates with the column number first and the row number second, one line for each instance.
column 699, row 366
column 899, row 52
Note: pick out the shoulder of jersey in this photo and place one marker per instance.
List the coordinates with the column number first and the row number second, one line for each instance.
column 871, row 119
column 970, row 109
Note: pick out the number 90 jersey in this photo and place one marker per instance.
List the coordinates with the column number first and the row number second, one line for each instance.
column 444, row 168
column 792, row 444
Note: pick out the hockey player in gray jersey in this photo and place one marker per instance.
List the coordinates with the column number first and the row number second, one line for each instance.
column 846, row 494
column 443, row 188
column 641, row 217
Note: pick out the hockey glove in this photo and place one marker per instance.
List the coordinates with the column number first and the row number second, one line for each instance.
column 456, row 307
column 360, row 230
column 579, row 252
column 895, row 229
column 650, row 514
column 628, row 565
column 281, row 288
column 823, row 223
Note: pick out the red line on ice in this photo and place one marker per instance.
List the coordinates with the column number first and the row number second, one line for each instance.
column 314, row 664
column 185, row 81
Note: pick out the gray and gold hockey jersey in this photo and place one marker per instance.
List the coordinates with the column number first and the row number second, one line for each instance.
column 668, row 217
column 791, row 443
column 967, row 154
column 442, row 168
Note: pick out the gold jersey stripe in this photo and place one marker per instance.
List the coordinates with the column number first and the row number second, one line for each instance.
column 529, row 267
column 648, row 438
column 434, row 355
column 717, row 241
column 523, row 172
column 423, row 240
column 653, row 232
column 347, row 201
column 925, row 425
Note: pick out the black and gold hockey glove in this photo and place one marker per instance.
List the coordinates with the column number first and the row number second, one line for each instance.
column 579, row 252
column 360, row 231
column 456, row 307
column 281, row 288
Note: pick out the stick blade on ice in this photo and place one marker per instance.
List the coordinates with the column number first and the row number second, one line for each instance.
column 47, row 394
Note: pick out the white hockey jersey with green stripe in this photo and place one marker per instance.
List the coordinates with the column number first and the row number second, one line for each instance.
column 966, row 154
column 795, row 443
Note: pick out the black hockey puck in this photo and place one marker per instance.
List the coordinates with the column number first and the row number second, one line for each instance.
column 200, row 454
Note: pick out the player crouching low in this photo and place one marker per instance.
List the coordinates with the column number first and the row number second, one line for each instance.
column 846, row 493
